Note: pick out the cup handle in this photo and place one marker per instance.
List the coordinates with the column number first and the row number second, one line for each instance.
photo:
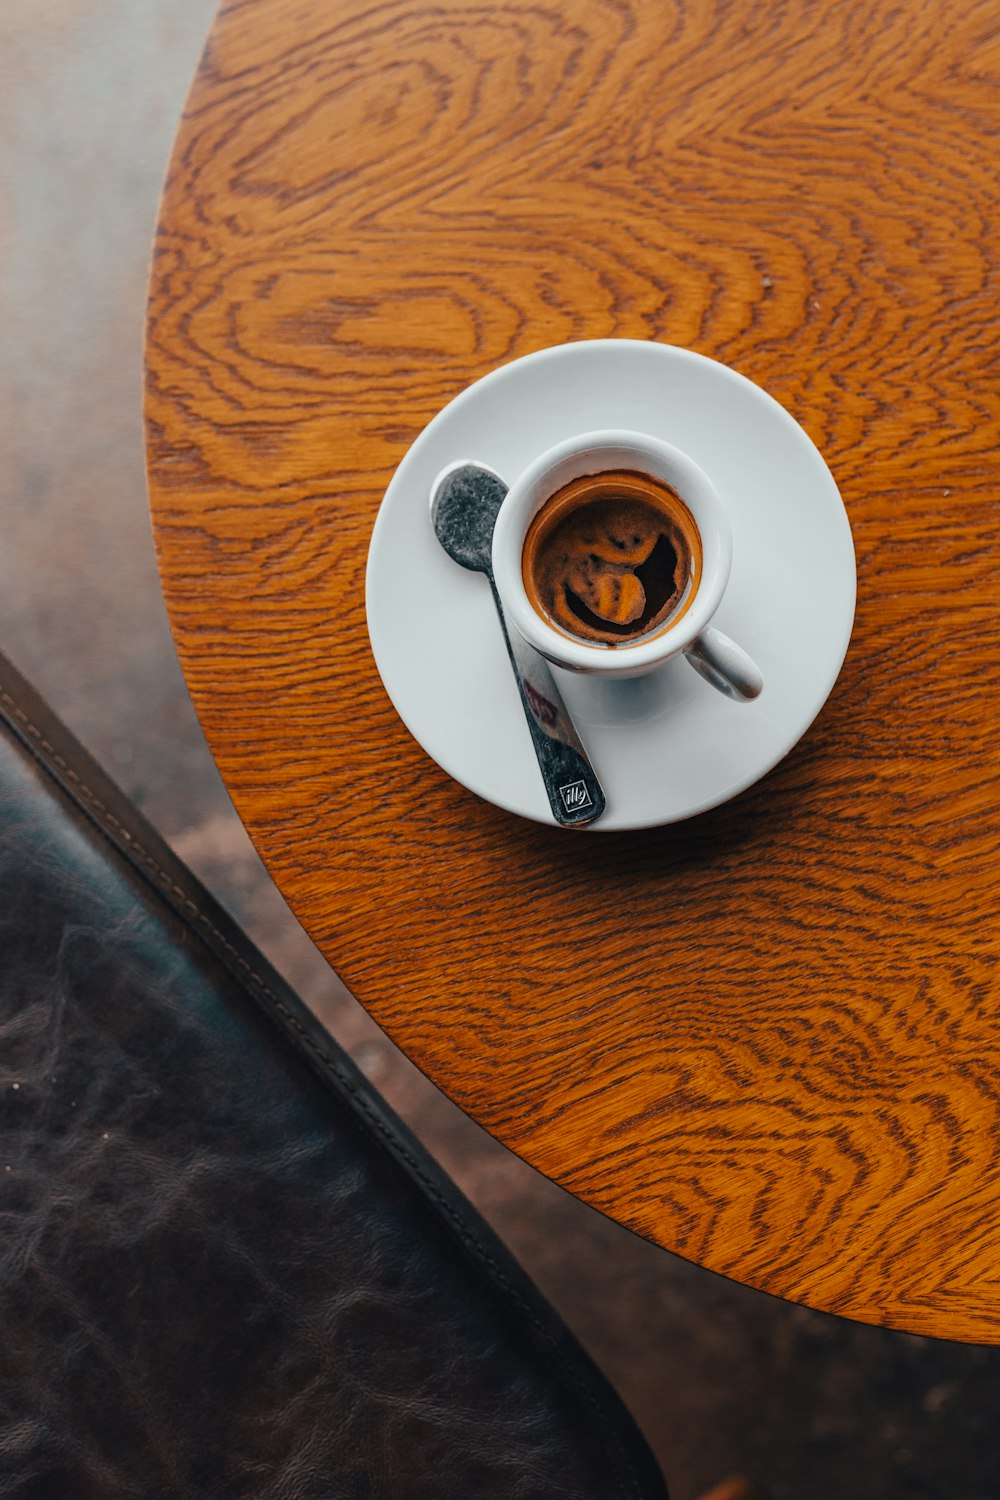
column 725, row 665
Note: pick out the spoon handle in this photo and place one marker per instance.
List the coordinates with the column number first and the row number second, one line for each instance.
column 574, row 792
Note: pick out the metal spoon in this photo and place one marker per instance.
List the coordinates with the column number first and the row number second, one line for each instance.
column 465, row 499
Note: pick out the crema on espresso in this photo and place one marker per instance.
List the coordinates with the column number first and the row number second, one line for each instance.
column 612, row 558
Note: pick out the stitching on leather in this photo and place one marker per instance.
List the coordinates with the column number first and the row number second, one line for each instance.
column 328, row 1062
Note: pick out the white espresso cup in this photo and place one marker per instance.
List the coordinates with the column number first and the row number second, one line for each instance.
column 689, row 631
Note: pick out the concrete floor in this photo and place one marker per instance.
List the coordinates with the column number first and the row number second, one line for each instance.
column 723, row 1380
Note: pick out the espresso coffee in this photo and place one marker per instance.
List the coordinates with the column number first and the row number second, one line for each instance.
column 611, row 558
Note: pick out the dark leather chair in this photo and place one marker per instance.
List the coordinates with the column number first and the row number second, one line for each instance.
column 226, row 1268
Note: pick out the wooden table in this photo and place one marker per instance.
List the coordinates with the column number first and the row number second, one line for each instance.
column 767, row 1038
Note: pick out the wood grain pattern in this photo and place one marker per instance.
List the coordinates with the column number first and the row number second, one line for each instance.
column 767, row 1039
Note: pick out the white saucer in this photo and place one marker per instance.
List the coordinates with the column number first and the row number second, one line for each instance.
column 667, row 745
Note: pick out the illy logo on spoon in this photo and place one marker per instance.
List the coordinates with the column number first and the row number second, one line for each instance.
column 575, row 795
